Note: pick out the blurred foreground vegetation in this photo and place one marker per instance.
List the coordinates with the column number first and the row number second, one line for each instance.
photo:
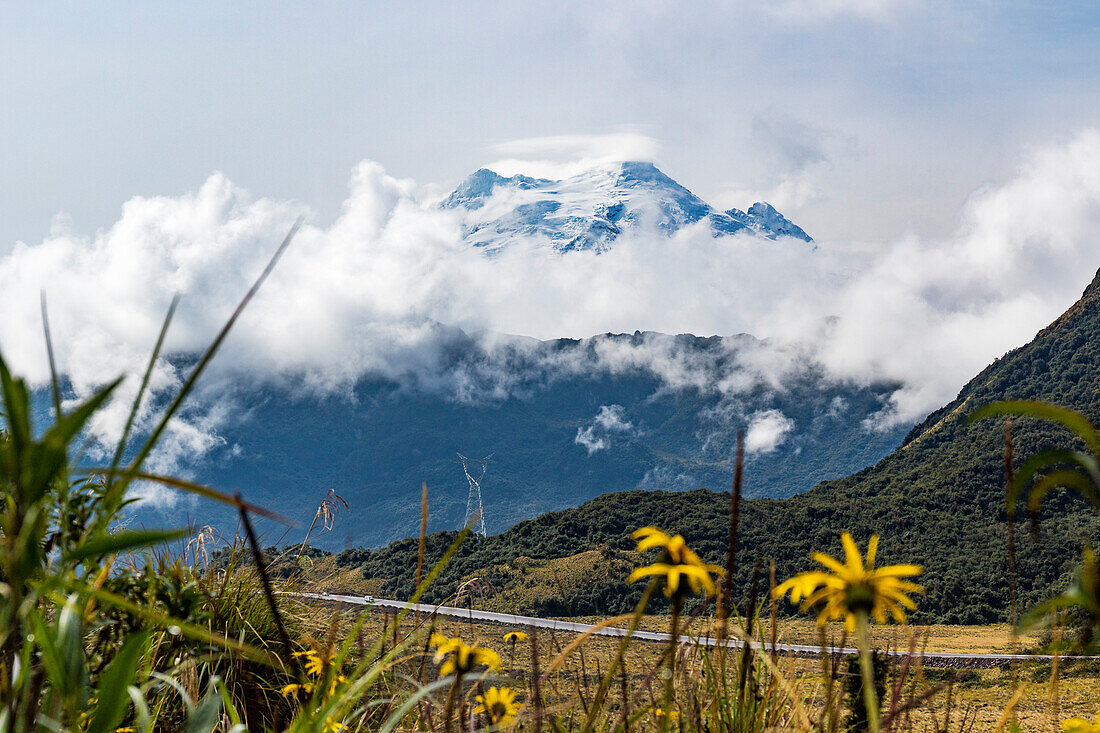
column 105, row 627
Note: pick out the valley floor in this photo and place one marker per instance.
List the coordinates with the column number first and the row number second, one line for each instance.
column 974, row 700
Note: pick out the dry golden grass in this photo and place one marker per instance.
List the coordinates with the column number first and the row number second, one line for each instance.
column 979, row 697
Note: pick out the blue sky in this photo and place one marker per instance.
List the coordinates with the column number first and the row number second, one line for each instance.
column 867, row 119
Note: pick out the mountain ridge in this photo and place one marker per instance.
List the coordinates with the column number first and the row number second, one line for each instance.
column 591, row 209
column 938, row 500
column 579, row 417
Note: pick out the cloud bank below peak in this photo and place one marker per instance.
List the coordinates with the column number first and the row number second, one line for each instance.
column 375, row 291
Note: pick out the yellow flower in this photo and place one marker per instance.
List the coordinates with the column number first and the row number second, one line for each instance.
column 314, row 663
column 853, row 587
column 1080, row 725
column 678, row 560
column 499, row 704
column 293, row 688
column 315, row 667
column 677, row 549
column 514, row 636
column 672, row 716
column 455, row 656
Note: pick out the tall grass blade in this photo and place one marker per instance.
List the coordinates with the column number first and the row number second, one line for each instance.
column 204, row 360
column 111, row 544
column 55, row 383
column 1071, row 419
column 725, row 601
column 135, row 409
column 258, row 558
column 398, row 715
column 117, row 676
column 189, row 486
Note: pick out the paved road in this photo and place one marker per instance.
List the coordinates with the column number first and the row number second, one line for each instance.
column 952, row 660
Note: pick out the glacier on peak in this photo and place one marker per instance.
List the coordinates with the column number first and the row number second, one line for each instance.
column 590, row 210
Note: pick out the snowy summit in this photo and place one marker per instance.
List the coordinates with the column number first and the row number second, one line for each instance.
column 590, row 210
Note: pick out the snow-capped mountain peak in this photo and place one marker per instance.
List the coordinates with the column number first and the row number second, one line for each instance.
column 590, row 210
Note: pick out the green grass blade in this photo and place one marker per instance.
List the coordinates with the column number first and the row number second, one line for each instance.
column 17, row 407
column 69, row 426
column 47, row 644
column 115, row 680
column 1043, row 461
column 204, row 718
column 112, row 544
column 398, row 715
column 1073, row 420
column 1068, row 479
column 191, row 487
column 55, row 384
column 44, row 461
column 141, row 709
column 136, row 407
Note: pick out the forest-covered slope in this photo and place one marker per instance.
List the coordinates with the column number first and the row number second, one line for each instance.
column 937, row 500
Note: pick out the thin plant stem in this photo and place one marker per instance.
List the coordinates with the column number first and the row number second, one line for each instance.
column 1010, row 523
column 449, row 705
column 308, row 532
column 828, row 677
column 423, row 534
column 605, row 683
column 867, row 672
column 265, row 582
column 774, row 611
column 726, row 599
column 536, row 685
column 673, row 640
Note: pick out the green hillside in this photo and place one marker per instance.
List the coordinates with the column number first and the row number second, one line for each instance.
column 937, row 500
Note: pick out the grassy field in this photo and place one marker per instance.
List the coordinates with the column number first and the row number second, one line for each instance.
column 975, row 701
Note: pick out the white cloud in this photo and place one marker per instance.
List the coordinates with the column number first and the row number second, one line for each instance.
column 561, row 156
column 767, row 431
column 791, row 192
column 596, row 437
column 378, row 290
column 796, row 154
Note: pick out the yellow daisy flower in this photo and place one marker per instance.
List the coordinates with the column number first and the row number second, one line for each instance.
column 314, row 663
column 513, row 636
column 499, row 704
column 853, row 587
column 315, row 667
column 1080, row 725
column 293, row 688
column 454, row 656
column 678, row 561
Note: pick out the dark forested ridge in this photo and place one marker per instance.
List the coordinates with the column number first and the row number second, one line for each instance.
column 375, row 444
column 937, row 500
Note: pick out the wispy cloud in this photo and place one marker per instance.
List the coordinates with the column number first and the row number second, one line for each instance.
column 597, row 435
column 561, row 156
column 767, row 431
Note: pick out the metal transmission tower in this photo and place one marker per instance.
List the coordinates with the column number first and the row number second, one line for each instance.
column 475, row 511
